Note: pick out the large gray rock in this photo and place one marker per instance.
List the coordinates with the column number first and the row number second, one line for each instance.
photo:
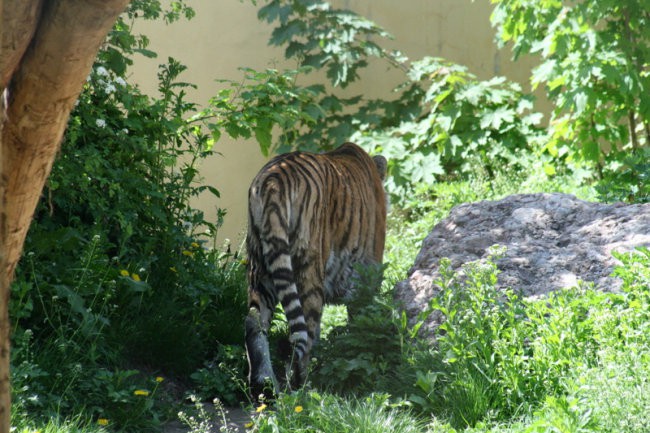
column 552, row 241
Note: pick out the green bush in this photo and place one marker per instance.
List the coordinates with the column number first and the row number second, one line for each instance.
column 120, row 273
column 497, row 355
column 443, row 123
column 361, row 356
column 594, row 70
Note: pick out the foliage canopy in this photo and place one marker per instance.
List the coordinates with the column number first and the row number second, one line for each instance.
column 595, row 68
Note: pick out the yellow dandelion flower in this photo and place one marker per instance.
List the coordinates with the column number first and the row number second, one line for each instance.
column 102, row 421
column 159, row 379
column 260, row 408
column 141, row 392
column 124, row 273
column 298, row 409
column 135, row 277
column 249, row 424
column 188, row 253
column 195, row 245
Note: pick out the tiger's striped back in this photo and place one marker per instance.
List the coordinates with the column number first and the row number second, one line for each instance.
column 312, row 219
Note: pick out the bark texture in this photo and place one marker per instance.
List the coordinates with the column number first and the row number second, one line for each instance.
column 46, row 54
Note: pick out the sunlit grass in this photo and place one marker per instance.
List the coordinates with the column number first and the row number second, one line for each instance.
column 78, row 424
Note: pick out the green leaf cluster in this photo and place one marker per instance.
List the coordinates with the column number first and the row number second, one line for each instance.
column 441, row 122
column 594, row 68
column 317, row 35
column 120, row 271
column 499, row 356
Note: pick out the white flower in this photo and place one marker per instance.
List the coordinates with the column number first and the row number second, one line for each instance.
column 125, row 131
column 102, row 72
column 110, row 88
column 101, row 123
column 120, row 81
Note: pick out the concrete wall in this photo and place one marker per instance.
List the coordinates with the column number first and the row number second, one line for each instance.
column 226, row 34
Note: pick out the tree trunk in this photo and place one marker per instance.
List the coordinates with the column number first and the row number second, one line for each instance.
column 5, row 390
column 42, row 79
column 18, row 27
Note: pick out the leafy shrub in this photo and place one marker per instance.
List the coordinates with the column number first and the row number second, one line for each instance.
column 479, row 361
column 119, row 270
column 224, row 377
column 575, row 361
column 594, row 70
column 361, row 356
column 498, row 355
column 443, row 123
column 456, row 126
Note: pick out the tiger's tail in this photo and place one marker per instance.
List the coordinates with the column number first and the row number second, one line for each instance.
column 272, row 280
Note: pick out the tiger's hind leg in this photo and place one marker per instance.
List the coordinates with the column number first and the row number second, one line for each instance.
column 312, row 305
column 261, row 379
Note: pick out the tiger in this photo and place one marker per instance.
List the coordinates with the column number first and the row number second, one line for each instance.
column 312, row 220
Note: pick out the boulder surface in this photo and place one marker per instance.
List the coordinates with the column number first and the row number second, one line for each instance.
column 552, row 241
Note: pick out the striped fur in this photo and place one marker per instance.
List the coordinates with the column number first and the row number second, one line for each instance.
column 311, row 218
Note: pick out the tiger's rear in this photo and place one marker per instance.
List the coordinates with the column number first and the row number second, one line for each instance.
column 312, row 219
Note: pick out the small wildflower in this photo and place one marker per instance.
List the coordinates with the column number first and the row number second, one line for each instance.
column 101, row 123
column 102, row 71
column 260, row 408
column 249, row 424
column 195, row 245
column 102, row 421
column 124, row 273
column 159, row 379
column 141, row 392
column 188, row 253
column 110, row 88
column 298, row 409
column 243, row 262
column 120, row 81
column 135, row 277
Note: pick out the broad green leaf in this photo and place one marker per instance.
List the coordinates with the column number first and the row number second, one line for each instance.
column 263, row 135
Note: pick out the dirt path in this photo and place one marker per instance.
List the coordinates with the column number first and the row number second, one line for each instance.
column 236, row 419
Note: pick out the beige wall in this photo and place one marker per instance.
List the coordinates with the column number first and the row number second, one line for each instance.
column 226, row 35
